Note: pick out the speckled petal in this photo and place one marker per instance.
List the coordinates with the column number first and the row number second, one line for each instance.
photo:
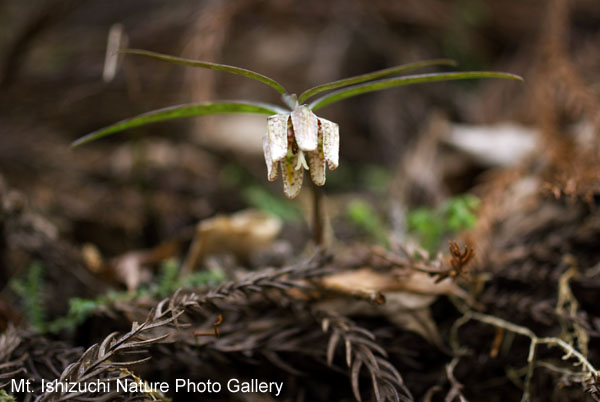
column 331, row 142
column 277, row 127
column 316, row 162
column 272, row 171
column 292, row 177
column 305, row 128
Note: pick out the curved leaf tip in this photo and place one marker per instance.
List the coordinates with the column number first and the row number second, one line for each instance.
column 374, row 75
column 373, row 86
column 178, row 112
column 211, row 66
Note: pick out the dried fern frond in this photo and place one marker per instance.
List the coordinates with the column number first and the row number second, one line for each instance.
column 362, row 350
column 30, row 356
column 102, row 361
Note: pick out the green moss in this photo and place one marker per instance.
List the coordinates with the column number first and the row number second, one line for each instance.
column 30, row 290
column 168, row 282
column 5, row 397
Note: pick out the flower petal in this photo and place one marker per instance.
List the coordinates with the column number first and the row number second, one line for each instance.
column 331, row 142
column 292, row 177
column 277, row 128
column 305, row 128
column 272, row 171
column 316, row 162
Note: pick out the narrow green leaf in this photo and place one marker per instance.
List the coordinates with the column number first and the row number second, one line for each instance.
column 181, row 111
column 405, row 80
column 211, row 66
column 373, row 76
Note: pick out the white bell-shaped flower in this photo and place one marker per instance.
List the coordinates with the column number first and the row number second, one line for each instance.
column 295, row 137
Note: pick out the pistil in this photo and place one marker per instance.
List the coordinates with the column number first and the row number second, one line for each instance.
column 301, row 161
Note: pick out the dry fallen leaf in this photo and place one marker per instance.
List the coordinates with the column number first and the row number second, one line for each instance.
column 130, row 269
column 241, row 234
column 407, row 297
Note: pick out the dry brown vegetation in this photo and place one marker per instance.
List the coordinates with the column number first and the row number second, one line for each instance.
column 507, row 312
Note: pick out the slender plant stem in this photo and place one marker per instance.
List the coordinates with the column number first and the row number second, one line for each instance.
column 318, row 225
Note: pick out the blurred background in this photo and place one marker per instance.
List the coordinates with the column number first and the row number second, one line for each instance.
column 404, row 152
column 139, row 187
column 510, row 167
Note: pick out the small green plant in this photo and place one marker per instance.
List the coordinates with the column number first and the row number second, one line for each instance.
column 79, row 310
column 169, row 278
column 201, row 279
column 30, row 290
column 461, row 212
column 296, row 138
column 431, row 225
column 5, row 397
column 168, row 282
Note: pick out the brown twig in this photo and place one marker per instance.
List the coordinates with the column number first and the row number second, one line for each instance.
column 318, row 215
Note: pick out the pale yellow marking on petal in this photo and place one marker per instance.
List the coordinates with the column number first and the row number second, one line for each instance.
column 317, row 167
column 292, row 177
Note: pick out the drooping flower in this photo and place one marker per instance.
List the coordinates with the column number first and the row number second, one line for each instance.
column 294, row 137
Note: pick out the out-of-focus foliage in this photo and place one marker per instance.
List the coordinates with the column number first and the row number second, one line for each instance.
column 258, row 196
column 362, row 215
column 4, row 397
column 169, row 280
column 431, row 225
column 369, row 177
column 30, row 290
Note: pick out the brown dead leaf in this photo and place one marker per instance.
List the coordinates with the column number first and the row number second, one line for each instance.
column 366, row 280
column 241, row 234
column 132, row 268
column 407, row 298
